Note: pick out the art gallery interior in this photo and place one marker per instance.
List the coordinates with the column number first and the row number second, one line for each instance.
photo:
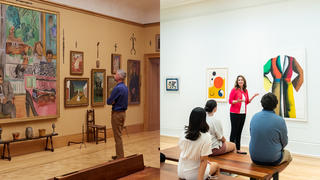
column 197, row 37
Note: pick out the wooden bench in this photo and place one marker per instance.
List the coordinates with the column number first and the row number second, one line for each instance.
column 236, row 163
column 6, row 144
column 131, row 167
column 169, row 171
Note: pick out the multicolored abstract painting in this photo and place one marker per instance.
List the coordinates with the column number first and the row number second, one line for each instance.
column 284, row 76
column 217, row 79
column 28, row 62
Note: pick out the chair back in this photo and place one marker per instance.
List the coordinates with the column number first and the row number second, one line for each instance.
column 90, row 117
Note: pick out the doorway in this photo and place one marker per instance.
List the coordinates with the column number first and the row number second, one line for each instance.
column 152, row 106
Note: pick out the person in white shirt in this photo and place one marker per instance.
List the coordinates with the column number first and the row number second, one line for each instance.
column 195, row 146
column 219, row 144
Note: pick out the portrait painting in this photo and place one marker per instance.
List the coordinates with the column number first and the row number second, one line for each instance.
column 284, row 75
column 115, row 63
column 111, row 83
column 28, row 76
column 134, row 81
column 76, row 63
column 217, row 80
column 98, row 86
column 172, row 84
column 76, row 92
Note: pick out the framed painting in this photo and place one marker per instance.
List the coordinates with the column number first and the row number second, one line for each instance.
column 111, row 83
column 98, row 86
column 115, row 63
column 134, row 81
column 217, row 81
column 76, row 63
column 291, row 88
column 76, row 92
column 172, row 84
column 157, row 42
column 26, row 67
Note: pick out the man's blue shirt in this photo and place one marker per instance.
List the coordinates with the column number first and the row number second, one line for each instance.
column 268, row 133
column 119, row 97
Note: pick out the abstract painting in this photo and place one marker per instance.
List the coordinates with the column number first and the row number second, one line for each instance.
column 172, row 84
column 98, row 86
column 134, row 81
column 284, row 76
column 29, row 72
column 217, row 80
column 76, row 92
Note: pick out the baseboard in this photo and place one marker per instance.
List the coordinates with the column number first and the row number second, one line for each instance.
column 26, row 147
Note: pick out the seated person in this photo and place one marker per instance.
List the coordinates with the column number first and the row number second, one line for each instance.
column 219, row 144
column 6, row 97
column 195, row 146
column 268, row 133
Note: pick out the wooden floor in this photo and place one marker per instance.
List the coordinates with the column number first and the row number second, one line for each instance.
column 301, row 168
column 45, row 164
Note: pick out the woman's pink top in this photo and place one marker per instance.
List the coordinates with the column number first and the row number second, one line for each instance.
column 236, row 94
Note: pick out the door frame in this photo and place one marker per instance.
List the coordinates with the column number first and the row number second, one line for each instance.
column 147, row 71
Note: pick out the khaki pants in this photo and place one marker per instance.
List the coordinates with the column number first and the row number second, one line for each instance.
column 286, row 156
column 117, row 122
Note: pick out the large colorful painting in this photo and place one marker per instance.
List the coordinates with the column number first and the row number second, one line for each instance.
column 76, row 92
column 284, row 76
column 29, row 64
column 98, row 87
column 217, row 80
column 134, row 81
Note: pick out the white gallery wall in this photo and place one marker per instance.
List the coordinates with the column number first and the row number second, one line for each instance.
column 236, row 34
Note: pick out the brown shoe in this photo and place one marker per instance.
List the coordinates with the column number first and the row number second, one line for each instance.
column 114, row 157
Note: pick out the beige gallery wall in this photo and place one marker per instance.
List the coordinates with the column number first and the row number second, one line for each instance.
column 87, row 29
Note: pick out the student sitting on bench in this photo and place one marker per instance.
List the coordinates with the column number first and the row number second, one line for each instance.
column 219, row 144
column 268, row 133
column 195, row 146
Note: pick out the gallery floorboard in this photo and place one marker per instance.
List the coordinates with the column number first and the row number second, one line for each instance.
column 301, row 167
column 47, row 164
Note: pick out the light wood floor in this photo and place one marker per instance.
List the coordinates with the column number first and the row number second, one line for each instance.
column 301, row 167
column 45, row 164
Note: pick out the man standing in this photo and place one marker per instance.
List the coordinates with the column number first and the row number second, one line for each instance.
column 268, row 133
column 119, row 101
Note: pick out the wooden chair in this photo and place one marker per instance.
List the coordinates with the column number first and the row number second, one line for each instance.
column 94, row 129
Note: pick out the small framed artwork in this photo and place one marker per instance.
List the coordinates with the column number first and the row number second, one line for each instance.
column 76, row 92
column 111, row 83
column 134, row 81
column 157, row 42
column 217, row 84
column 172, row 84
column 98, row 87
column 115, row 63
column 76, row 63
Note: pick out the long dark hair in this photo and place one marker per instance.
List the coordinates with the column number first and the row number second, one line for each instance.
column 210, row 105
column 236, row 85
column 197, row 124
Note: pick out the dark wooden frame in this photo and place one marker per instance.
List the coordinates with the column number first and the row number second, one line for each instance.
column 157, row 43
column 108, row 87
column 129, row 79
column 76, row 73
column 65, row 91
column 112, row 59
column 93, row 85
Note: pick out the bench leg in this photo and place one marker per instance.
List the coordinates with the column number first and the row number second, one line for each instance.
column 275, row 176
column 253, row 178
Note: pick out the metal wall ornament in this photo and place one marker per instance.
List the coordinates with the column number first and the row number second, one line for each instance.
column 133, row 39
